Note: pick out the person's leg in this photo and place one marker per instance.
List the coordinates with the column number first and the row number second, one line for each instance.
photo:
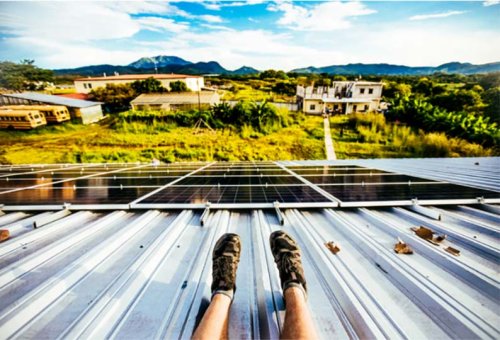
column 214, row 322
column 298, row 322
column 286, row 252
column 225, row 259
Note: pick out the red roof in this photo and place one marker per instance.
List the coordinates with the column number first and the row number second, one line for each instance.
column 81, row 96
column 139, row 77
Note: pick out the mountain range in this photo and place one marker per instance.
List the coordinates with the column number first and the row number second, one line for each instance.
column 173, row 64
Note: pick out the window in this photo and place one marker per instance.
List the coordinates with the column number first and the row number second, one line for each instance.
column 89, row 85
column 312, row 107
column 366, row 107
column 355, row 108
column 84, row 85
column 362, row 91
column 370, row 91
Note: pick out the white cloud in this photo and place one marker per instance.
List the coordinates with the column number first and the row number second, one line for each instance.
column 491, row 2
column 210, row 18
column 158, row 24
column 62, row 34
column 217, row 5
column 217, row 27
column 66, row 21
column 436, row 15
column 85, row 21
column 59, row 54
column 325, row 16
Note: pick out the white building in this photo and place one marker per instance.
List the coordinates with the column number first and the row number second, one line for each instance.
column 85, row 85
column 342, row 97
column 175, row 101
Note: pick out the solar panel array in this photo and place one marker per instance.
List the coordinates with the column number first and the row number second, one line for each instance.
column 239, row 184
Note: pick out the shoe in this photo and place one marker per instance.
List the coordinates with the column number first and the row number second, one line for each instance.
column 287, row 256
column 225, row 259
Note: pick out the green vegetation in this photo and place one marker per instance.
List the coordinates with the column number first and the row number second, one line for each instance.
column 442, row 115
column 371, row 136
column 117, row 98
column 177, row 86
column 463, row 110
column 24, row 76
column 134, row 136
column 141, row 136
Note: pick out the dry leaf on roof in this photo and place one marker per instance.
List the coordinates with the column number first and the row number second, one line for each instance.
column 402, row 248
column 428, row 235
column 334, row 248
column 453, row 251
column 4, row 235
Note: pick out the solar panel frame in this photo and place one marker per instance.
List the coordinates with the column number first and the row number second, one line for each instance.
column 225, row 185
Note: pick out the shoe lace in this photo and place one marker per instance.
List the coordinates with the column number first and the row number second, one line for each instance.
column 223, row 268
column 288, row 263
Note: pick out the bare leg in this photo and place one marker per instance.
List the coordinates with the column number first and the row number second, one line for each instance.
column 298, row 322
column 286, row 252
column 225, row 259
column 213, row 325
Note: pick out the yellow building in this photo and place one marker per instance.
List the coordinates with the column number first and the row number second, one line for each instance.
column 85, row 85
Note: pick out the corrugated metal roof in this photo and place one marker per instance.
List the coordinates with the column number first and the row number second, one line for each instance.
column 147, row 274
column 176, row 98
column 50, row 99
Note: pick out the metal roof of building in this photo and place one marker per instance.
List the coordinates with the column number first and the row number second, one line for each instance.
column 51, row 99
column 176, row 98
column 147, row 274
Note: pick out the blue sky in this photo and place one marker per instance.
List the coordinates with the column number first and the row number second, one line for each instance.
column 262, row 34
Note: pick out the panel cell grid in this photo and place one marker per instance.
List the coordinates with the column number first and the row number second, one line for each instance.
column 249, row 194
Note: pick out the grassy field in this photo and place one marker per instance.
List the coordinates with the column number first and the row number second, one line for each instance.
column 132, row 142
column 120, row 141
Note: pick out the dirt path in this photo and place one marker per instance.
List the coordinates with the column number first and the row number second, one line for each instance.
column 330, row 152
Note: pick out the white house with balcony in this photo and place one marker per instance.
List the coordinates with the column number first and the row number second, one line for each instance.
column 343, row 97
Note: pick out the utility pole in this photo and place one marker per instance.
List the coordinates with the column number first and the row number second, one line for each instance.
column 199, row 93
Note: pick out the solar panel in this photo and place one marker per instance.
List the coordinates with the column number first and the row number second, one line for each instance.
column 235, row 194
column 400, row 192
column 235, row 184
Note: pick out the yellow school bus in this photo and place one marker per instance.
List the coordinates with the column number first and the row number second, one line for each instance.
column 52, row 113
column 21, row 119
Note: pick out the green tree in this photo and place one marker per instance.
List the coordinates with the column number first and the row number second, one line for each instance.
column 117, row 97
column 273, row 74
column 396, row 90
column 460, row 100
column 24, row 76
column 179, row 86
column 150, row 85
column 285, row 88
column 491, row 98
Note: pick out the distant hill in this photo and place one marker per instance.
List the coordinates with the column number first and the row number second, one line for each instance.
column 164, row 64
column 245, row 70
column 173, row 64
column 388, row 69
column 158, row 61
column 99, row 70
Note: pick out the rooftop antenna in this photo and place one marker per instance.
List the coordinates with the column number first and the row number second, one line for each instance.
column 156, row 68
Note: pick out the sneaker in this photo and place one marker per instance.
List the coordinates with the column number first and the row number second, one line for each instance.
column 287, row 256
column 225, row 259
